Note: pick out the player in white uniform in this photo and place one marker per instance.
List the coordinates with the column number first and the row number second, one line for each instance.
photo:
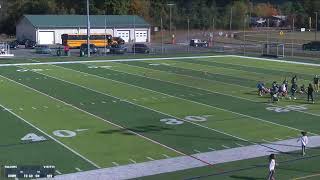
column 304, row 141
column 272, row 165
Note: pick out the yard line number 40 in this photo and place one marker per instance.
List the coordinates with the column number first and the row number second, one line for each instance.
column 59, row 133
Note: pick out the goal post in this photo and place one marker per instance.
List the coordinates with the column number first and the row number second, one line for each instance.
column 275, row 50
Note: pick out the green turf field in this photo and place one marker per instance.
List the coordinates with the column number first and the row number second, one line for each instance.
column 84, row 116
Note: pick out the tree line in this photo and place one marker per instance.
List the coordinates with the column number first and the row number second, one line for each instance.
column 202, row 14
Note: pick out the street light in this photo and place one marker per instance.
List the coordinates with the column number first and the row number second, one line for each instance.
column 170, row 6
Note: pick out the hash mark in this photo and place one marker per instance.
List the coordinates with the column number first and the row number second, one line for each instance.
column 58, row 172
column 279, row 139
column 150, row 158
column 239, row 144
column 211, row 149
column 33, row 107
column 165, row 155
column 78, row 169
column 266, row 141
column 225, row 146
column 133, row 161
column 197, row 151
column 114, row 163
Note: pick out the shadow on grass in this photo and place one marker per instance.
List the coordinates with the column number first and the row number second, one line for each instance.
column 245, row 177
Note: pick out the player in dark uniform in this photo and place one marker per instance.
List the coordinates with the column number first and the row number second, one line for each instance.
column 316, row 83
column 294, row 88
column 310, row 93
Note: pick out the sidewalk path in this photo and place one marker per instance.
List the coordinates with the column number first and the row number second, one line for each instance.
column 185, row 162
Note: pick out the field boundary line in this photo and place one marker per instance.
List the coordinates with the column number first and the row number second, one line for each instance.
column 54, row 139
column 132, row 103
column 116, row 125
column 222, row 108
column 247, row 66
column 114, row 60
column 276, row 60
column 238, row 97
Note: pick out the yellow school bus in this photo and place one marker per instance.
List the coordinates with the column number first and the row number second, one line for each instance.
column 75, row 40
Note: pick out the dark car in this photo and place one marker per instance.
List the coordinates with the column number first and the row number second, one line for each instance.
column 43, row 49
column 140, row 48
column 312, row 46
column 93, row 48
column 118, row 49
column 30, row 44
column 119, row 40
column 14, row 44
column 198, row 43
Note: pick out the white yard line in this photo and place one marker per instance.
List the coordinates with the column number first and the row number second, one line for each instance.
column 222, row 108
column 109, row 122
column 150, row 158
column 221, row 132
column 67, row 147
column 58, row 172
column 184, row 162
column 133, row 161
column 210, row 80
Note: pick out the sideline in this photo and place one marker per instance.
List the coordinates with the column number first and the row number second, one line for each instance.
column 156, row 59
column 185, row 162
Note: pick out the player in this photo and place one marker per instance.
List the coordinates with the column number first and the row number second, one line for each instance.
column 316, row 83
column 304, row 141
column 272, row 165
column 294, row 79
column 310, row 93
column 294, row 88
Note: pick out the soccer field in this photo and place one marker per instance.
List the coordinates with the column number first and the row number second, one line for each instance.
column 82, row 116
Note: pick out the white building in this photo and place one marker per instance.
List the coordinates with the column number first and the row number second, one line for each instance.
column 47, row 29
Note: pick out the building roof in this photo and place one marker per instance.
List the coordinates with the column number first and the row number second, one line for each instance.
column 96, row 21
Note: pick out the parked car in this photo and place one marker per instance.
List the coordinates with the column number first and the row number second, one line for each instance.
column 140, row 48
column 30, row 44
column 14, row 44
column 119, row 40
column 43, row 49
column 118, row 49
column 93, row 48
column 312, row 46
column 198, row 43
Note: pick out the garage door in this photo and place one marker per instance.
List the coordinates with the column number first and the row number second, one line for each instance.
column 141, row 36
column 46, row 37
column 125, row 35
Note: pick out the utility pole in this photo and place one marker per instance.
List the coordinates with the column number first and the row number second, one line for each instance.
column 188, row 34
column 88, row 29
column 231, row 18
column 170, row 25
column 315, row 34
column 292, row 36
column 161, row 35
column 244, row 34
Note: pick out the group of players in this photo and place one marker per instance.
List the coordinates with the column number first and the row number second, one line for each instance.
column 282, row 91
